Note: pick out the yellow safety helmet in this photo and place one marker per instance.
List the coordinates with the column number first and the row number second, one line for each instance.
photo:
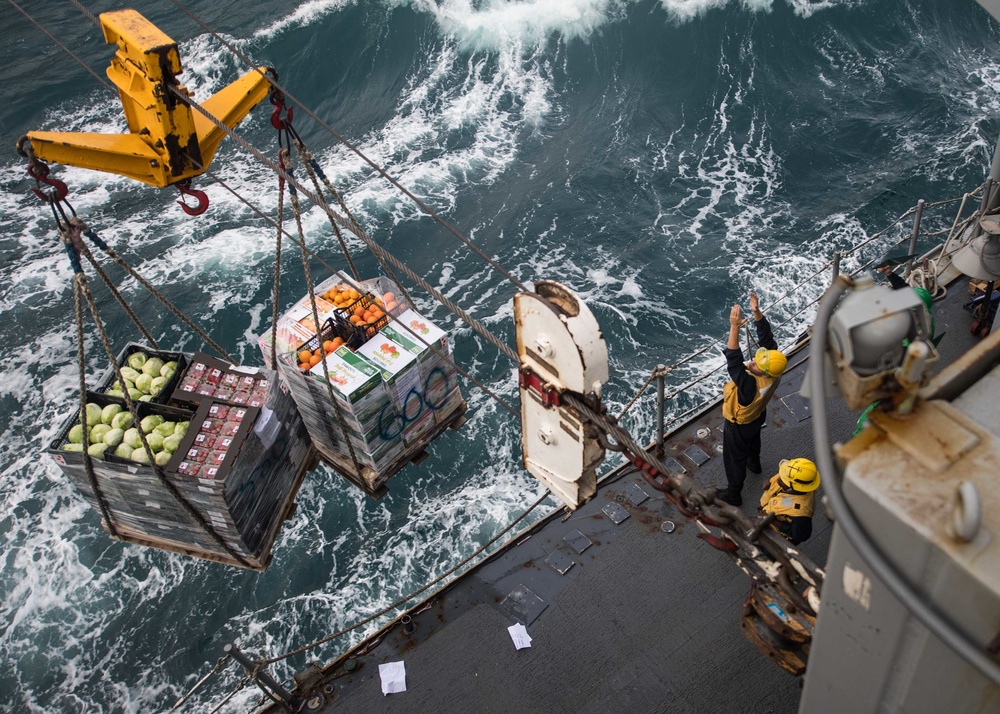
column 799, row 475
column 771, row 362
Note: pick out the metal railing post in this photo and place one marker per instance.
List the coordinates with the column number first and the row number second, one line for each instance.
column 266, row 682
column 660, row 389
column 836, row 265
column 912, row 251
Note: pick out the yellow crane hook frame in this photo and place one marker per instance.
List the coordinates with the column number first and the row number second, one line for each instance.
column 167, row 143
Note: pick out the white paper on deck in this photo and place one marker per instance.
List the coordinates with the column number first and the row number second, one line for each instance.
column 393, row 676
column 520, row 635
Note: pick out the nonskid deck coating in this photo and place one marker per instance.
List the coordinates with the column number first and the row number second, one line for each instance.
column 642, row 621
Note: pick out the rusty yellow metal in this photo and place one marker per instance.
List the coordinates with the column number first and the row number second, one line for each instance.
column 167, row 142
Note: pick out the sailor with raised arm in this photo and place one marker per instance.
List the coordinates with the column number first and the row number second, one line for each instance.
column 745, row 399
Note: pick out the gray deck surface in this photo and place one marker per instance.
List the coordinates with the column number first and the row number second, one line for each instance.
column 643, row 621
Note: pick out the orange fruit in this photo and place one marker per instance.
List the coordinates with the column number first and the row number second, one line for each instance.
column 314, row 360
column 304, row 355
column 391, row 305
column 389, row 297
column 329, row 346
column 304, row 366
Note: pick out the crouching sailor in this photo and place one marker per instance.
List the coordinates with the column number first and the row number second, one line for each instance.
column 790, row 496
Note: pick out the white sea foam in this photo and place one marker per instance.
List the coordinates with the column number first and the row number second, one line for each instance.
column 685, row 10
column 304, row 15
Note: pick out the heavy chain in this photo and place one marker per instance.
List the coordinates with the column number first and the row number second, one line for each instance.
column 760, row 552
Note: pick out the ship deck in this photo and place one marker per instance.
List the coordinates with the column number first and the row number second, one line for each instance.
column 640, row 620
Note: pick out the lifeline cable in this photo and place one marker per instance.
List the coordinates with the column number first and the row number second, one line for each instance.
column 407, row 598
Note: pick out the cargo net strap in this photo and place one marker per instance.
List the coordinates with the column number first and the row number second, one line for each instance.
column 376, row 249
column 81, row 288
column 296, row 209
column 71, row 232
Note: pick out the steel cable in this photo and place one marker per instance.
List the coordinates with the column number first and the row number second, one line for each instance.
column 382, row 172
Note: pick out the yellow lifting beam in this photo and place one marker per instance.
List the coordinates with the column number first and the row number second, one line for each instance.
column 167, row 142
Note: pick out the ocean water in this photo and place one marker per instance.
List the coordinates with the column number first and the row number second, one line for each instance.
column 660, row 157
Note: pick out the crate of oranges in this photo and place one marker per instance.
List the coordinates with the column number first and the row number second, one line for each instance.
column 344, row 297
column 329, row 340
column 364, row 320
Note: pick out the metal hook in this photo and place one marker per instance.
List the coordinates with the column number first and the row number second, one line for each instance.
column 277, row 122
column 185, row 188
column 40, row 172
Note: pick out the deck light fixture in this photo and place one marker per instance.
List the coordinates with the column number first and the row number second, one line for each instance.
column 878, row 344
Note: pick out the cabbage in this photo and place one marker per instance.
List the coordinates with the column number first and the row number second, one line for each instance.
column 150, row 422
column 124, row 451
column 98, row 432
column 155, row 441
column 108, row 413
column 122, row 420
column 146, row 398
column 114, row 437
column 132, row 438
column 140, row 456
column 97, row 450
column 143, row 382
column 114, row 392
column 166, row 428
column 170, row 443
column 136, row 360
column 93, row 414
column 156, row 386
column 76, row 434
column 168, row 369
column 163, row 458
column 152, row 366
column 78, row 448
column 130, row 374
column 134, row 393
column 181, row 428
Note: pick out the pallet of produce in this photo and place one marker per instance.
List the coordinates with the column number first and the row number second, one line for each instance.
column 227, row 468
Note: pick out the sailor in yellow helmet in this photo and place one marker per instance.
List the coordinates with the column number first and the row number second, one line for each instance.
column 790, row 496
column 745, row 400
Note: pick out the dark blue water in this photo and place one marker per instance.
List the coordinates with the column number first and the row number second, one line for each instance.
column 661, row 158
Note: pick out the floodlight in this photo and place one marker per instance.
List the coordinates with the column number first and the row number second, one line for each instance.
column 874, row 331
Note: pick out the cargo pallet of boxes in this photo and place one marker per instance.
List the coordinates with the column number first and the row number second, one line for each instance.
column 394, row 388
column 228, row 438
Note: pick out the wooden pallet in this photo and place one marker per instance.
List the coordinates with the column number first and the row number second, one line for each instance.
column 258, row 563
column 372, row 482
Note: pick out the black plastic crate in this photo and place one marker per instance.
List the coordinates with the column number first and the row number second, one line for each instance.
column 361, row 332
column 332, row 327
column 55, row 448
column 109, row 377
column 146, row 408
